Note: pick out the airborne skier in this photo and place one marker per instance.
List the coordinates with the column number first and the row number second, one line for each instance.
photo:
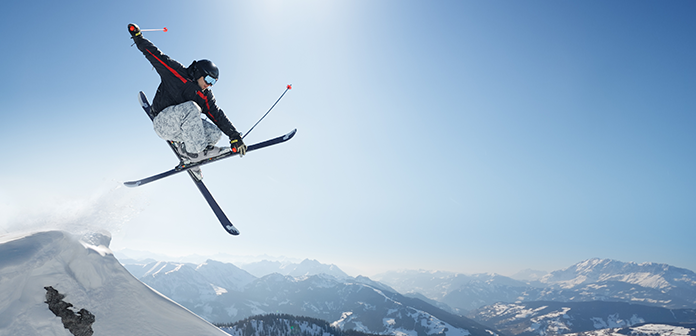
column 183, row 94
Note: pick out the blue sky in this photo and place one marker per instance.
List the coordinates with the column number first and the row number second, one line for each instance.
column 469, row 136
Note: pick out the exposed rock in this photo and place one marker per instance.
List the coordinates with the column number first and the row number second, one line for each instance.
column 79, row 324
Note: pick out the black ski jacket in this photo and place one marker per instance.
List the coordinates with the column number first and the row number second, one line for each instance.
column 179, row 86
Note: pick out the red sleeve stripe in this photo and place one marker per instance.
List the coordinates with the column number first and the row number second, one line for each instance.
column 168, row 67
column 200, row 94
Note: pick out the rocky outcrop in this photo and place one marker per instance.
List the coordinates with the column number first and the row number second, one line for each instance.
column 79, row 324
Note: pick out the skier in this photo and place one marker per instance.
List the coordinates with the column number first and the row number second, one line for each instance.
column 181, row 97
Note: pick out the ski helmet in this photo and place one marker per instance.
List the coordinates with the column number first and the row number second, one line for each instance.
column 205, row 67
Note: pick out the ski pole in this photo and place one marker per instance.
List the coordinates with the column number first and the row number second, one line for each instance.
column 162, row 30
column 269, row 110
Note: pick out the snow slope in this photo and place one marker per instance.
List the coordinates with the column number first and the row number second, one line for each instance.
column 86, row 272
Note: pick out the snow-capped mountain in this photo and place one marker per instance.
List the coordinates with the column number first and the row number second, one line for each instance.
column 183, row 282
column 591, row 280
column 555, row 318
column 225, row 275
column 610, row 280
column 306, row 268
column 52, row 281
column 649, row 275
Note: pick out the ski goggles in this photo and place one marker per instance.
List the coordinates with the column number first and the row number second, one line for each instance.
column 210, row 80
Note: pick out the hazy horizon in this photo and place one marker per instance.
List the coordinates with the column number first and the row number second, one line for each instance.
column 241, row 260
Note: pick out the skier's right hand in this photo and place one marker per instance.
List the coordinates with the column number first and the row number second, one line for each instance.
column 134, row 30
column 237, row 145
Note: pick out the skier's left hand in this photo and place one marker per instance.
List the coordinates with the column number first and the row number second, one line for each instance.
column 237, row 145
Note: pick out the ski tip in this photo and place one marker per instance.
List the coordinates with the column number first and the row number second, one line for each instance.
column 290, row 135
column 132, row 184
column 231, row 229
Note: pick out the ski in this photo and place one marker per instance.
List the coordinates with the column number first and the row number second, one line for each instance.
column 182, row 167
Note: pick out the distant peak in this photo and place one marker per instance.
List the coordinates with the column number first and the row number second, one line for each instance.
column 310, row 261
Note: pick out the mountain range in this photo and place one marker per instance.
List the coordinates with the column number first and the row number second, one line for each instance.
column 304, row 268
column 222, row 292
column 359, row 303
column 590, row 280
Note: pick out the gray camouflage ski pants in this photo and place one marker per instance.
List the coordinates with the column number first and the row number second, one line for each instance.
column 183, row 123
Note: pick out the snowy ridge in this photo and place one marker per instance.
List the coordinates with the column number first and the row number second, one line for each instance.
column 86, row 272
